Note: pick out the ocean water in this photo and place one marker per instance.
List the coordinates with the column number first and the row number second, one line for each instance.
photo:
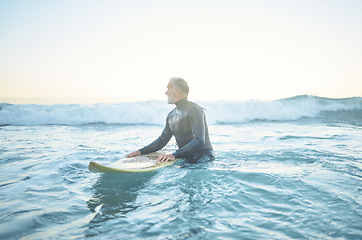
column 285, row 169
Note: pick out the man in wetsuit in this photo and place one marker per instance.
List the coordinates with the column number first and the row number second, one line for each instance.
column 187, row 123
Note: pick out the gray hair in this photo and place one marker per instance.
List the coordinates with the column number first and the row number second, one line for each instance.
column 180, row 84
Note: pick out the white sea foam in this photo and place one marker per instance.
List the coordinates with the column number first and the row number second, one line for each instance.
column 154, row 112
column 281, row 110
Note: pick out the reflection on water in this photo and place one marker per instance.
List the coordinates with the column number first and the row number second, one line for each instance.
column 114, row 196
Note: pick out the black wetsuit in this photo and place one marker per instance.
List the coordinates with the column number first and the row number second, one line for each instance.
column 187, row 123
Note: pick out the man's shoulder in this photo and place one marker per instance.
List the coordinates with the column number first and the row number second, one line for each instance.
column 193, row 105
column 172, row 112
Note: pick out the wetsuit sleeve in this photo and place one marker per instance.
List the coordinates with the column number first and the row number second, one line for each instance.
column 197, row 121
column 160, row 142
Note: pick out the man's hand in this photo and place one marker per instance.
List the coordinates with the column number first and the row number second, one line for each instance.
column 133, row 154
column 166, row 158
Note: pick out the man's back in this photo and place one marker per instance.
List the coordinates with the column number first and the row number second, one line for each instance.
column 187, row 123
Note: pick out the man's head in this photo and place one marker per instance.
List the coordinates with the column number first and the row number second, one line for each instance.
column 177, row 89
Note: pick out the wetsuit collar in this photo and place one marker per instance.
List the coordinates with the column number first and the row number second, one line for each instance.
column 181, row 103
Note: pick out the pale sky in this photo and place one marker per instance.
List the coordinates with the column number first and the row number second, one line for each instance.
column 115, row 51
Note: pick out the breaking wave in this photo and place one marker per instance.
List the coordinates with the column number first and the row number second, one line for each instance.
column 154, row 112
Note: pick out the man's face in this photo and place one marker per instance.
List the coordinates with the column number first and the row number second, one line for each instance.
column 171, row 93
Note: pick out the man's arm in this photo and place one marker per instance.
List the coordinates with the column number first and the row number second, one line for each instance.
column 156, row 145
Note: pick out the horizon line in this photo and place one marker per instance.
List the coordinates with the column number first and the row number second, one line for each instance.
column 81, row 101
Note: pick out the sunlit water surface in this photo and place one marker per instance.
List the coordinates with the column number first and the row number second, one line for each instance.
column 270, row 180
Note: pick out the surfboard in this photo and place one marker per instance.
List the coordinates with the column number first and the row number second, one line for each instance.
column 138, row 164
